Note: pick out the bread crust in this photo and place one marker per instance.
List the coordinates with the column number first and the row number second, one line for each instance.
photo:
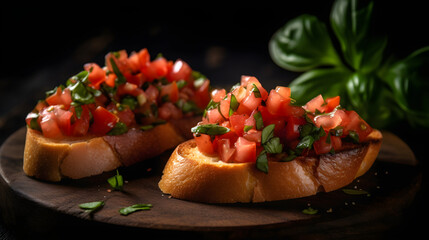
column 51, row 160
column 190, row 175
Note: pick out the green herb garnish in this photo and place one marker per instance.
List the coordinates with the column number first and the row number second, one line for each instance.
column 256, row 91
column 233, row 106
column 210, row 129
column 258, row 120
column 118, row 129
column 383, row 89
column 92, row 207
column 134, row 208
column 247, row 128
column 310, row 211
column 262, row 162
column 355, row 191
column 116, row 182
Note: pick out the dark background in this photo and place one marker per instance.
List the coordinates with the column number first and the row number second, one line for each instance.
column 42, row 46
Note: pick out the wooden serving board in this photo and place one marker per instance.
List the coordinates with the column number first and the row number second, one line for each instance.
column 51, row 209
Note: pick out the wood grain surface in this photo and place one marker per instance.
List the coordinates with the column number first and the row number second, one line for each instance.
column 37, row 208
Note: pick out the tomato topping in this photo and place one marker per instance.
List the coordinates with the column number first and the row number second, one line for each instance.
column 130, row 90
column 261, row 126
column 104, row 121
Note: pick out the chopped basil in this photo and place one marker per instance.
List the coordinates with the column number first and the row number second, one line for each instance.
column 198, row 79
column 306, row 142
column 211, row 105
column 210, row 129
column 256, row 91
column 247, row 128
column 181, row 83
column 92, row 207
column 310, row 211
column 130, row 101
column 188, row 106
column 134, row 208
column 120, row 77
column 81, row 93
column 116, row 182
column 273, row 145
column 355, row 191
column 262, row 162
column 337, row 131
column 258, row 120
column 233, row 106
column 267, row 133
column 118, row 129
column 352, row 137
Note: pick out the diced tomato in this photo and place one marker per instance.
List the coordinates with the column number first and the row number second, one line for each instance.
column 328, row 121
column 336, row 143
column 96, row 74
column 245, row 150
column 126, row 115
column 251, row 102
column 277, row 104
column 144, row 57
column 332, row 103
column 171, row 91
column 253, row 135
column 110, row 80
column 248, row 81
column 168, row 110
column 155, row 69
column 237, row 123
column 60, row 97
column 240, row 93
column 358, row 125
column 315, row 103
column 202, row 94
column 225, row 150
column 81, row 125
column 121, row 60
column 179, row 71
column 152, row 93
column 49, row 126
column 292, row 127
column 323, row 145
column 204, row 144
column 64, row 121
column 104, row 121
column 218, row 94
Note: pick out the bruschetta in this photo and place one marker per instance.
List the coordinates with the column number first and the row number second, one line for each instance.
column 130, row 110
column 254, row 146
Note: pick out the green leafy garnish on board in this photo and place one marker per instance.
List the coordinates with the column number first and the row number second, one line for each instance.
column 92, row 207
column 117, row 181
column 310, row 211
column 383, row 90
column 134, row 208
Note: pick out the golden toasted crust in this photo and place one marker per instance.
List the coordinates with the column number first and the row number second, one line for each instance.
column 191, row 175
column 75, row 158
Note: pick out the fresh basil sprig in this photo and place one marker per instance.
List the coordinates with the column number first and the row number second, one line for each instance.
column 383, row 91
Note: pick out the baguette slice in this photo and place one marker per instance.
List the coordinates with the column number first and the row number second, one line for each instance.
column 75, row 158
column 191, row 175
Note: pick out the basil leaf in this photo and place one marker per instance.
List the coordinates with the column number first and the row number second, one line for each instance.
column 273, row 146
column 181, row 84
column 267, row 133
column 118, row 129
column 233, row 106
column 210, row 129
column 310, row 211
column 92, row 207
column 130, row 101
column 116, row 182
column 247, row 128
column 302, row 44
column 258, row 120
column 262, row 162
column 134, row 208
column 256, row 91
column 211, row 105
column 306, row 142
column 408, row 80
column 314, row 82
column 354, row 191
column 350, row 20
column 120, row 77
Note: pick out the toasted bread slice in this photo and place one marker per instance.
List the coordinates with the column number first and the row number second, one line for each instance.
column 191, row 175
column 75, row 158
